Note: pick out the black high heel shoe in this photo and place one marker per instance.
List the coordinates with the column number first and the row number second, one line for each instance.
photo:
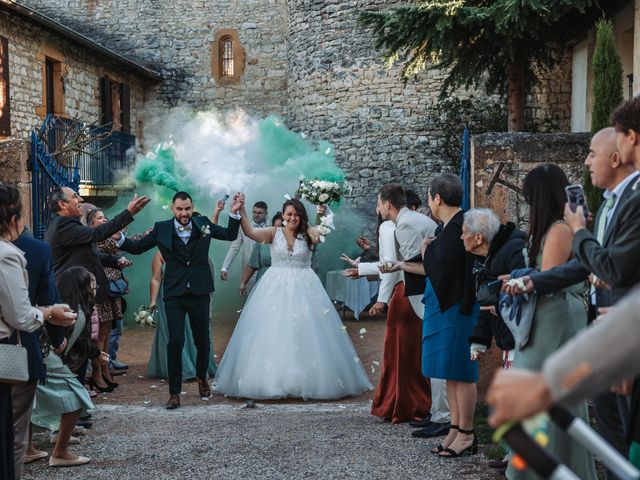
column 98, row 388
column 470, row 450
column 109, row 383
column 440, row 448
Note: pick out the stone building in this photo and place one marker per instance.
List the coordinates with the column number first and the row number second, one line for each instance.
column 308, row 61
column 47, row 68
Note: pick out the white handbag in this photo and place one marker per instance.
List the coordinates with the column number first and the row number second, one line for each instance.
column 14, row 365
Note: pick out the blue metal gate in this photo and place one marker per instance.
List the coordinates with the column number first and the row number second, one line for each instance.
column 47, row 173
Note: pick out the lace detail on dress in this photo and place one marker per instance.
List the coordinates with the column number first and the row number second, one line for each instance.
column 281, row 257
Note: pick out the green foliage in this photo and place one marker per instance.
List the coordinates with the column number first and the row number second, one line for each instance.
column 475, row 40
column 607, row 93
column 607, row 76
column 479, row 114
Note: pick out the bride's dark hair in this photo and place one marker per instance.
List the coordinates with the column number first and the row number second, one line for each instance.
column 303, row 227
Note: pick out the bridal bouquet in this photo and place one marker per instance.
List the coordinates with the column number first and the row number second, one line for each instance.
column 144, row 317
column 320, row 192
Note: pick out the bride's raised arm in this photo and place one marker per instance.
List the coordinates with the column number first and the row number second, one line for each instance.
column 261, row 235
column 314, row 233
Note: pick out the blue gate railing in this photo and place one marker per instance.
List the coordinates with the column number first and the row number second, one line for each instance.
column 100, row 162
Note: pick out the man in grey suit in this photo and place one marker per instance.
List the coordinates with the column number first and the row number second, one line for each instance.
column 412, row 228
column 608, row 255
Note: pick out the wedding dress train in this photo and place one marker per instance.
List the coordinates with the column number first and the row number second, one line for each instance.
column 289, row 340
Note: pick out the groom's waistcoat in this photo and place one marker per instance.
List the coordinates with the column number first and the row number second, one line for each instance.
column 186, row 265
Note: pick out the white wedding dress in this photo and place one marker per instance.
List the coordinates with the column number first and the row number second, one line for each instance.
column 289, row 340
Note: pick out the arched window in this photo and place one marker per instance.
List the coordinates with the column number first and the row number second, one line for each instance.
column 226, row 55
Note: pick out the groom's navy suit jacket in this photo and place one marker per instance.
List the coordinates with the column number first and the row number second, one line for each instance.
column 185, row 264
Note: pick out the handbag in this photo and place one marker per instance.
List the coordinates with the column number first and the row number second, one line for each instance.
column 14, row 365
column 118, row 288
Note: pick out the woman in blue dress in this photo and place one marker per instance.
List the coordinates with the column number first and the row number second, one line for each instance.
column 450, row 315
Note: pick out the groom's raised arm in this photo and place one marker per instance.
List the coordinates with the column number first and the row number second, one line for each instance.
column 147, row 242
column 230, row 233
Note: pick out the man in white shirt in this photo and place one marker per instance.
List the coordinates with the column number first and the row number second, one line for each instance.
column 244, row 243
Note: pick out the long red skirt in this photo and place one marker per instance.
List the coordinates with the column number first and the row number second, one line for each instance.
column 402, row 394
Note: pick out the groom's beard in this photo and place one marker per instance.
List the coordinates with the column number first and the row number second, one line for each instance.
column 183, row 220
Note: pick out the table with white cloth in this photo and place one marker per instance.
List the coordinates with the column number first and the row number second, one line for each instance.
column 355, row 294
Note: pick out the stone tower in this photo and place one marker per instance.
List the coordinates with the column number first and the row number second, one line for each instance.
column 307, row 60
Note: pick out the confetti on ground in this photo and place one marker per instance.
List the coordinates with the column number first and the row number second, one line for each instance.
column 238, row 311
column 153, row 386
column 376, row 363
column 140, row 376
column 362, row 331
column 147, row 402
column 326, row 310
column 356, row 359
column 373, row 370
column 344, row 327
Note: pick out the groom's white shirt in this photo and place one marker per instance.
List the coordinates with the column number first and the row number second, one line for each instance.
column 411, row 228
column 386, row 252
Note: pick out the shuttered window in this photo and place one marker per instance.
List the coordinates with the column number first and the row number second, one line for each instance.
column 115, row 98
column 5, row 113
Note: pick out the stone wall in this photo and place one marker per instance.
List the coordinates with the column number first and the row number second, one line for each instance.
column 548, row 106
column 84, row 69
column 500, row 162
column 309, row 61
column 339, row 89
column 14, row 160
column 175, row 36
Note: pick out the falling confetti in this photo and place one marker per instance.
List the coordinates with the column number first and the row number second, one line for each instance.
column 344, row 327
column 362, row 331
column 238, row 311
column 356, row 359
column 140, row 376
column 147, row 402
column 327, row 151
column 376, row 363
column 183, row 393
column 326, row 310
column 303, row 135
column 373, row 370
column 164, row 207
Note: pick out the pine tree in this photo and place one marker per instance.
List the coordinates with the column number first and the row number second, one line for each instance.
column 607, row 93
column 493, row 44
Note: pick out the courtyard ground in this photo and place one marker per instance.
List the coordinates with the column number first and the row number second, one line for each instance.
column 135, row 437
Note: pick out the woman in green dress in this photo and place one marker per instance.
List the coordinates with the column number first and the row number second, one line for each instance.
column 559, row 316
column 260, row 259
column 62, row 399
column 157, row 366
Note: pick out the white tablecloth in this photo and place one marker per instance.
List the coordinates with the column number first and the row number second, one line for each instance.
column 354, row 294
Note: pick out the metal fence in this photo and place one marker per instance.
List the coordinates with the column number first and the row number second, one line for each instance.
column 98, row 158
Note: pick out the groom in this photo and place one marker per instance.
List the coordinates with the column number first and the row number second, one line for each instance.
column 184, row 243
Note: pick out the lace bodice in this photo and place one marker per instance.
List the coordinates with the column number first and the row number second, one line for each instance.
column 281, row 257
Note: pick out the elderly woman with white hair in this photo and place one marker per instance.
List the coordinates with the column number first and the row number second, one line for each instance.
column 499, row 250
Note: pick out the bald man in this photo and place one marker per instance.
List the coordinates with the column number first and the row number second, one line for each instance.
column 611, row 254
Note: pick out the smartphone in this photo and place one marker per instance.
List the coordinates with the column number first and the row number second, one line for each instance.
column 576, row 197
column 224, row 199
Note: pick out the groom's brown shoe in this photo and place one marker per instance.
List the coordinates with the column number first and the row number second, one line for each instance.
column 203, row 388
column 174, row 402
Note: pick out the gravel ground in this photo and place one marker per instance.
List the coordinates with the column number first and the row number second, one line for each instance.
column 318, row 440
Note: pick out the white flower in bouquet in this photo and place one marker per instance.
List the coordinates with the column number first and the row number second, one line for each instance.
column 144, row 317
column 323, row 197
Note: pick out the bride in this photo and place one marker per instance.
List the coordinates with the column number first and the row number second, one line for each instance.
column 289, row 340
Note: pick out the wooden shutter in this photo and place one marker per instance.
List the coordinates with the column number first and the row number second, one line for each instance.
column 5, row 112
column 125, row 107
column 105, row 101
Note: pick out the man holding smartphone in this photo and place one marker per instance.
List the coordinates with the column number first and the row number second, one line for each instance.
column 612, row 253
